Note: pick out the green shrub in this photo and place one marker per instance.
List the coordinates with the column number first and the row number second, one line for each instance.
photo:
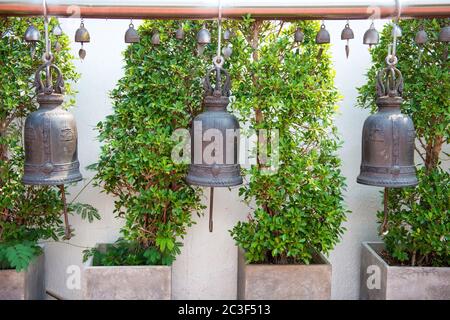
column 419, row 220
column 299, row 209
column 27, row 213
column 161, row 91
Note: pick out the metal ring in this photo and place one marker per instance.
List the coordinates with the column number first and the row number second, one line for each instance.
column 218, row 61
column 47, row 57
column 391, row 60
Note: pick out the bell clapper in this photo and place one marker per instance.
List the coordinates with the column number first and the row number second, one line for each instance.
column 211, row 208
column 383, row 227
column 67, row 233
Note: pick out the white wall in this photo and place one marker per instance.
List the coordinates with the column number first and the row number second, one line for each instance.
column 206, row 269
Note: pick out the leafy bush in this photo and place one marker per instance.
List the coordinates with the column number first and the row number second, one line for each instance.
column 27, row 213
column 160, row 92
column 278, row 85
column 419, row 220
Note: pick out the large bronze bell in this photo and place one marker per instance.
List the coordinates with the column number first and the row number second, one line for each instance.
column 215, row 139
column 50, row 136
column 388, row 137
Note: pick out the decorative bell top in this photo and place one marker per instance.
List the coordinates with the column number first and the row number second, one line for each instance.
column 57, row 31
column 155, row 38
column 390, row 80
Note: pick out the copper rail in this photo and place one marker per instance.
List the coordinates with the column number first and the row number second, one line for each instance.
column 208, row 9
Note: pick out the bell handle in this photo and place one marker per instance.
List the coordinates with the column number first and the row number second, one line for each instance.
column 49, row 89
column 389, row 82
column 225, row 89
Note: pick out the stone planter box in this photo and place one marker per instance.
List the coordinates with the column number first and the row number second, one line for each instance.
column 380, row 281
column 126, row 282
column 24, row 285
column 284, row 282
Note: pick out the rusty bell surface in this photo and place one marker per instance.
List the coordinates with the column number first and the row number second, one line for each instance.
column 50, row 138
column 388, row 137
column 215, row 139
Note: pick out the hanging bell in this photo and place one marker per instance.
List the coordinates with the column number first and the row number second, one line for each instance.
column 347, row 34
column 215, row 138
column 155, row 38
column 32, row 35
column 388, row 137
column 50, row 137
column 131, row 35
column 82, row 35
column 444, row 34
column 371, row 36
column 421, row 37
column 57, row 31
column 298, row 35
column 323, row 36
column 227, row 35
column 179, row 34
column 227, row 51
column 396, row 31
column 203, row 36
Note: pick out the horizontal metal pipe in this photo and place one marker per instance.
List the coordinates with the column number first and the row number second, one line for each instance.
column 208, row 9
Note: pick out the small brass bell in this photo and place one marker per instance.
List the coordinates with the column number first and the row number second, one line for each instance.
column 371, row 36
column 227, row 35
column 131, row 35
column 396, row 31
column 179, row 33
column 227, row 51
column 388, row 137
column 444, row 34
column 50, row 137
column 323, row 36
column 203, row 36
column 32, row 34
column 299, row 36
column 57, row 31
column 347, row 34
column 82, row 36
column 155, row 38
column 421, row 37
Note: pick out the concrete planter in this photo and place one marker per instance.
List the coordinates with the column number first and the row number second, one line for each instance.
column 126, row 282
column 380, row 281
column 284, row 282
column 24, row 285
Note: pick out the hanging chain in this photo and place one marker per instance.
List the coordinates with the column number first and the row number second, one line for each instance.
column 47, row 57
